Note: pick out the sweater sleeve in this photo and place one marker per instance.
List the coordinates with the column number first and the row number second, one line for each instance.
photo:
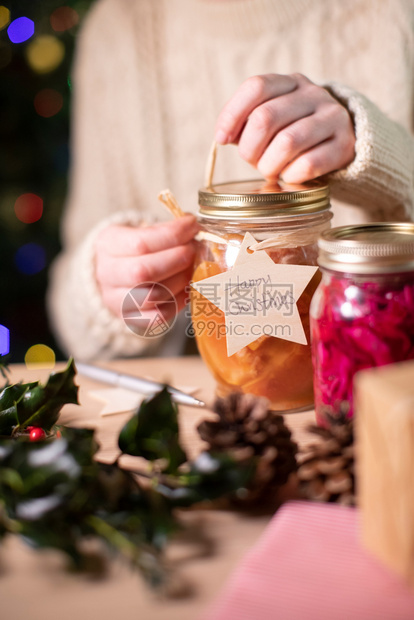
column 99, row 195
column 380, row 180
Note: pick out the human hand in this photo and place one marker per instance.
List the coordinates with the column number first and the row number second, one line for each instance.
column 287, row 126
column 126, row 257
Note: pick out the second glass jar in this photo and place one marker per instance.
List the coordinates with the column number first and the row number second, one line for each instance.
column 362, row 314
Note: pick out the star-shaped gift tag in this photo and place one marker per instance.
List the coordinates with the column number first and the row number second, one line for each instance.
column 258, row 297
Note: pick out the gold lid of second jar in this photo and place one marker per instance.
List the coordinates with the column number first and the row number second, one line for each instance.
column 262, row 199
column 368, row 248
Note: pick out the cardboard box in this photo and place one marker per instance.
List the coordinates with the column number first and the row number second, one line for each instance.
column 384, row 418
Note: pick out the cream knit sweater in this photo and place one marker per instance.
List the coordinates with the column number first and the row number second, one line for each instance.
column 150, row 78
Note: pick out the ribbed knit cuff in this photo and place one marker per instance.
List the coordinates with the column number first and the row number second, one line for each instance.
column 381, row 176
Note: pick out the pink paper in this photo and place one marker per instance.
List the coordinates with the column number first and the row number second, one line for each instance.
column 309, row 565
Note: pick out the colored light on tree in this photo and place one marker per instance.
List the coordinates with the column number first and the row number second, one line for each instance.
column 40, row 356
column 28, row 208
column 4, row 340
column 63, row 18
column 30, row 259
column 45, row 53
column 4, row 17
column 48, row 102
column 21, row 29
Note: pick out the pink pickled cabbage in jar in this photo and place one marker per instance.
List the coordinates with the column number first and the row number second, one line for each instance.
column 362, row 314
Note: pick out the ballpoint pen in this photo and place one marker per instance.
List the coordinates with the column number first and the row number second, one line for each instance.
column 136, row 384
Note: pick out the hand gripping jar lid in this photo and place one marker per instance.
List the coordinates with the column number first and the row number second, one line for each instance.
column 368, row 248
column 259, row 199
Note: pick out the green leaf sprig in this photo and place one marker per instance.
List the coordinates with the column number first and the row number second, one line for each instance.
column 153, row 433
column 56, row 494
column 34, row 404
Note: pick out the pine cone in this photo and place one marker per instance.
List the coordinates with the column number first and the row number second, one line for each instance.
column 246, row 429
column 326, row 468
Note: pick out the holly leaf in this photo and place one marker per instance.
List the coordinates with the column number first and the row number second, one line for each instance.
column 47, row 487
column 8, row 411
column 153, row 432
column 210, row 476
column 8, row 420
column 36, row 478
column 40, row 405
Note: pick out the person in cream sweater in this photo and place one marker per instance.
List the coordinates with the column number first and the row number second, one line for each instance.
column 303, row 87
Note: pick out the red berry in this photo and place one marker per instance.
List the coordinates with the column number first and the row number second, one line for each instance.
column 37, row 434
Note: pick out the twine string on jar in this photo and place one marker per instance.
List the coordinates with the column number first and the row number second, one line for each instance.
column 211, row 164
column 168, row 199
column 291, row 239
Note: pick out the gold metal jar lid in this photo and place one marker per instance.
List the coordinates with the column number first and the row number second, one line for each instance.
column 368, row 248
column 262, row 199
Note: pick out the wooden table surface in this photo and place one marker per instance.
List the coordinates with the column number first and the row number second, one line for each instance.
column 35, row 586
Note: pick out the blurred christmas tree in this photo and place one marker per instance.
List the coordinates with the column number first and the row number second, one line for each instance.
column 36, row 47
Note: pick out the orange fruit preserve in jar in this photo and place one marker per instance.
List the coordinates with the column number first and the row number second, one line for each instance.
column 285, row 222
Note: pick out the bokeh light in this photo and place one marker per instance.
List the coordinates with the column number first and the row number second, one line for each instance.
column 40, row 356
column 4, row 340
column 4, row 17
column 28, row 208
column 63, row 18
column 48, row 102
column 21, row 29
column 45, row 53
column 30, row 258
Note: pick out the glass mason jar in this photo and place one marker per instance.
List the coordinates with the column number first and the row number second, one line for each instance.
column 362, row 314
column 286, row 222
